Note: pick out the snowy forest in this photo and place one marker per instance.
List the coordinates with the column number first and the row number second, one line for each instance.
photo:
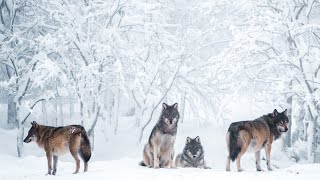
column 110, row 64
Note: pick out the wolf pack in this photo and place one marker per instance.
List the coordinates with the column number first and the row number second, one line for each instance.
column 159, row 151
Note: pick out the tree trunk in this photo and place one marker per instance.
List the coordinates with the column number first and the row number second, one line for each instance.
column 55, row 108
column 116, row 110
column 20, row 140
column 94, row 119
column 71, row 110
column 44, row 112
column 312, row 140
column 61, row 113
column 183, row 107
column 12, row 113
column 20, row 133
column 81, row 113
column 287, row 139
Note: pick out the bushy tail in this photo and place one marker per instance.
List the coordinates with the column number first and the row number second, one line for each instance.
column 141, row 163
column 234, row 146
column 85, row 148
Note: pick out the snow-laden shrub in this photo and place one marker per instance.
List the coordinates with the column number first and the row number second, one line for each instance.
column 298, row 152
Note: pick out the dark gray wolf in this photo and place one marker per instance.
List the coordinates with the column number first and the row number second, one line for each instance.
column 258, row 134
column 192, row 155
column 159, row 151
column 59, row 140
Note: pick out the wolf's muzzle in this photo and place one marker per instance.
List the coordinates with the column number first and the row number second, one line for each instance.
column 27, row 140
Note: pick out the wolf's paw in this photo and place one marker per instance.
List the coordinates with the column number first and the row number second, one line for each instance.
column 156, row 167
column 240, row 170
column 228, row 169
column 259, row 169
column 270, row 169
column 76, row 172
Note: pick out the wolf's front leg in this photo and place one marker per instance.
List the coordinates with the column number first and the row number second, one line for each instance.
column 268, row 152
column 258, row 159
column 49, row 158
column 156, row 156
column 171, row 162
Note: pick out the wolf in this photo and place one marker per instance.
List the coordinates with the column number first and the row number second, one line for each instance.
column 59, row 140
column 257, row 134
column 192, row 155
column 159, row 151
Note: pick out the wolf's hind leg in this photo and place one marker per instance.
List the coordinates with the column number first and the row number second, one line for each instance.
column 147, row 156
column 49, row 158
column 245, row 138
column 228, row 148
column 228, row 164
column 76, row 158
column 55, row 163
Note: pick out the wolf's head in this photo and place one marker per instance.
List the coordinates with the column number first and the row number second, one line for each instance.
column 193, row 148
column 170, row 114
column 32, row 134
column 280, row 120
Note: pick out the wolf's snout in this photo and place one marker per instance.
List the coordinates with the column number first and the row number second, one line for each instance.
column 194, row 156
column 27, row 140
column 285, row 129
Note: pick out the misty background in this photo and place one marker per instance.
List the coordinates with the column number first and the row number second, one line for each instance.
column 109, row 65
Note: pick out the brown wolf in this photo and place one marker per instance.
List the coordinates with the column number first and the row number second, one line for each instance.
column 159, row 150
column 59, row 140
column 258, row 134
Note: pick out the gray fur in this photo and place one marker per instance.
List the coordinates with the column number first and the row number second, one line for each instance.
column 192, row 155
column 159, row 151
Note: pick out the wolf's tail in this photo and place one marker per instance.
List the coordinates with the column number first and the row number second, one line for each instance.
column 141, row 163
column 85, row 148
column 234, row 145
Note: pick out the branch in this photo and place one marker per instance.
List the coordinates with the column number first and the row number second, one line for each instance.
column 165, row 94
column 135, row 99
column 305, row 78
column 90, row 131
column 317, row 70
column 34, row 104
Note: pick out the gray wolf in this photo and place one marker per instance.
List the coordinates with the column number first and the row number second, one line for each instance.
column 257, row 134
column 192, row 155
column 159, row 151
column 59, row 140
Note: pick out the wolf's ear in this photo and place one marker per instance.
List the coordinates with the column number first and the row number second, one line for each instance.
column 275, row 113
column 175, row 105
column 198, row 139
column 188, row 140
column 164, row 106
column 34, row 124
column 285, row 112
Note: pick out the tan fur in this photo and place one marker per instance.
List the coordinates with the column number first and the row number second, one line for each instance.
column 160, row 152
column 255, row 137
column 57, row 141
column 256, row 134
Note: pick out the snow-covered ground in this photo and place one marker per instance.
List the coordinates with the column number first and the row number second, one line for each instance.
column 34, row 168
column 117, row 158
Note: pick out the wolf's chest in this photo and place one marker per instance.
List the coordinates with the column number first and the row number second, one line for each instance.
column 165, row 142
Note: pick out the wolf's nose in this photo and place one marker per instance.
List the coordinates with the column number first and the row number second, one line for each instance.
column 194, row 156
column 286, row 129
